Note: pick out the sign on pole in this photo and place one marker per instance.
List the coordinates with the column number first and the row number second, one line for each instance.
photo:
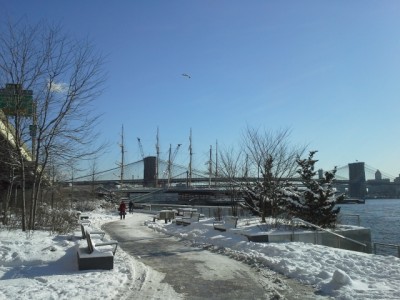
column 16, row 101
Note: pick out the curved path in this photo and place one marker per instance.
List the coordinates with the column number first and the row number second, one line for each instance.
column 196, row 273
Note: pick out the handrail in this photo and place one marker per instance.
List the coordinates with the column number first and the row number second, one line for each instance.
column 328, row 231
column 388, row 245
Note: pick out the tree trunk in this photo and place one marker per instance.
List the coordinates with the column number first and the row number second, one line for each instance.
column 6, row 203
column 31, row 212
column 35, row 197
column 264, row 211
column 23, row 185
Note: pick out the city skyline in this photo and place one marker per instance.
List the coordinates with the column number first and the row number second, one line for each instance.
column 328, row 71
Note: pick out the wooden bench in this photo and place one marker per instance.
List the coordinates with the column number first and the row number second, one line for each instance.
column 166, row 215
column 82, row 217
column 91, row 258
column 195, row 217
column 226, row 223
column 186, row 210
column 184, row 218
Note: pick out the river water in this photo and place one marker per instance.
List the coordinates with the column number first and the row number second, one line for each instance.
column 382, row 216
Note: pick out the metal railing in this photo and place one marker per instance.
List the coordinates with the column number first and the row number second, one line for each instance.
column 390, row 246
column 329, row 232
column 378, row 248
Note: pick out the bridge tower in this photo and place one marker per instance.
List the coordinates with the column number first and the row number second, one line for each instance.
column 357, row 182
column 149, row 171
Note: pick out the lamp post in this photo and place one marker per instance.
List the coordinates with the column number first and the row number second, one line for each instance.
column 33, row 130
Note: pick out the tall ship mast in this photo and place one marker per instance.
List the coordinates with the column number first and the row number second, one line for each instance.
column 216, row 162
column 158, row 156
column 190, row 160
column 122, row 156
column 210, row 167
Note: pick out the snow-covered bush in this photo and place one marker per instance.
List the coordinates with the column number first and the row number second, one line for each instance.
column 315, row 203
column 56, row 220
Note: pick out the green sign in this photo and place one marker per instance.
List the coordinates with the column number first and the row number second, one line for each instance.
column 16, row 101
column 33, row 130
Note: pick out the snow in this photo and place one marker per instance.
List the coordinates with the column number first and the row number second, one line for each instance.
column 40, row 265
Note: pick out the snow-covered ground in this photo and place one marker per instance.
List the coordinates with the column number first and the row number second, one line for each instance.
column 43, row 266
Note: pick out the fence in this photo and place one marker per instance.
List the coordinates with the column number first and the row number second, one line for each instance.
column 377, row 248
column 386, row 249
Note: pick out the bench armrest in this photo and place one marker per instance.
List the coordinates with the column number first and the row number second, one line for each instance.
column 109, row 243
column 101, row 233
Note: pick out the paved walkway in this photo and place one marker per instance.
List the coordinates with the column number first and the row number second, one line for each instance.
column 197, row 273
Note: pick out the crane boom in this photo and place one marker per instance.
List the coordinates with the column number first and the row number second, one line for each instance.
column 170, row 162
column 140, row 147
column 175, row 152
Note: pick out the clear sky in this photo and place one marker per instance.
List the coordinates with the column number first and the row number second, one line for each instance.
column 328, row 70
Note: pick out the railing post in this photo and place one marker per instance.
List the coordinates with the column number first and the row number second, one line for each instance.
column 374, row 248
column 292, row 237
column 398, row 251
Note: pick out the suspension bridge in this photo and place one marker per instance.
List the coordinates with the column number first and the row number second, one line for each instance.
column 134, row 173
column 358, row 180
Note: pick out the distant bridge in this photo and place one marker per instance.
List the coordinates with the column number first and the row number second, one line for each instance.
column 355, row 179
column 134, row 173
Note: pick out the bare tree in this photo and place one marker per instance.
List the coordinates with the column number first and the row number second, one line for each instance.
column 65, row 76
column 273, row 159
column 231, row 168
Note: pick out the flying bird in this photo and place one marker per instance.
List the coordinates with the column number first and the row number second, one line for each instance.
column 186, row 75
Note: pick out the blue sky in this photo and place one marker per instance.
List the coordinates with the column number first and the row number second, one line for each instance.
column 328, row 70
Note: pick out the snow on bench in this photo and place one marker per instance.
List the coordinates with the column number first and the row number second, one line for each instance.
column 91, row 258
column 195, row 217
column 85, row 228
column 166, row 215
column 188, row 217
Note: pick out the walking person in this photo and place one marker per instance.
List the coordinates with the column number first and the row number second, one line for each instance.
column 122, row 210
column 130, row 207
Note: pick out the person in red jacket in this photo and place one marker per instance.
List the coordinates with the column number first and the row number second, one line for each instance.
column 122, row 210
